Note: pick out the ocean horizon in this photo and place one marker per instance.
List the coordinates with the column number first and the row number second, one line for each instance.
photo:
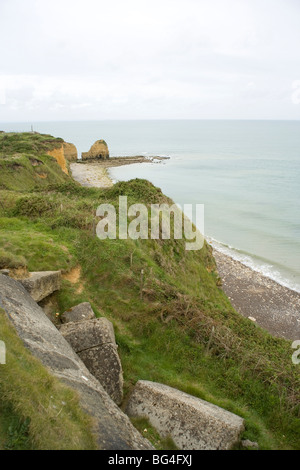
column 246, row 173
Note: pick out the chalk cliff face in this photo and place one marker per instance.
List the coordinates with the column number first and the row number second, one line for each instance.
column 67, row 152
column 98, row 150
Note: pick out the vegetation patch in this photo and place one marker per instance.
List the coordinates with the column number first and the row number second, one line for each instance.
column 150, row 433
column 37, row 411
column 173, row 323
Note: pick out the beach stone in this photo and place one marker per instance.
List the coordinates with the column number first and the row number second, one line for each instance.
column 193, row 424
column 78, row 313
column 112, row 427
column 41, row 284
column 98, row 150
column 94, row 342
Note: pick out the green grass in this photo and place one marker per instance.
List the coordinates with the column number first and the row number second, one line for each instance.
column 12, row 143
column 14, row 430
column 150, row 433
column 20, row 174
column 37, row 411
column 182, row 330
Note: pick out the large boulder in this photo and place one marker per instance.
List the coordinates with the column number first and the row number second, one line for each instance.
column 41, row 284
column 94, row 342
column 78, row 313
column 113, row 428
column 193, row 424
column 98, row 150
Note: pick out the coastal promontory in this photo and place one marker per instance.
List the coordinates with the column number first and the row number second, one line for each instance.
column 98, row 151
column 174, row 326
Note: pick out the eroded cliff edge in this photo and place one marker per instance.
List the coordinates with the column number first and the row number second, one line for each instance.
column 63, row 154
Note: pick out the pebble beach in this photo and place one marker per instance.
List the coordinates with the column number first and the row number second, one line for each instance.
column 270, row 305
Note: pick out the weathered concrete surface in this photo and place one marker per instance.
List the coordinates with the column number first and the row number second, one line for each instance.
column 192, row 423
column 94, row 342
column 41, row 337
column 104, row 363
column 78, row 313
column 41, row 284
column 88, row 334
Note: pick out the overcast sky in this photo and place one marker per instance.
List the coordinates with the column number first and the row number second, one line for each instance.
column 149, row 59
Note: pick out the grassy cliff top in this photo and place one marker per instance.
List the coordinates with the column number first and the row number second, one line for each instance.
column 176, row 326
column 14, row 143
column 24, row 163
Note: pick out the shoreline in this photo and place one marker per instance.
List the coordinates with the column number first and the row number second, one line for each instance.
column 94, row 173
column 270, row 305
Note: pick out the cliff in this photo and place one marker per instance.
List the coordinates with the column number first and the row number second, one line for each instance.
column 24, row 162
column 173, row 323
column 70, row 152
column 65, row 153
column 99, row 150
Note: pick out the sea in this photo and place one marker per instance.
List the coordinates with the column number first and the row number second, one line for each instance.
column 246, row 173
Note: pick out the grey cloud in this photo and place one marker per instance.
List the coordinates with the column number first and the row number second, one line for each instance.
column 149, row 59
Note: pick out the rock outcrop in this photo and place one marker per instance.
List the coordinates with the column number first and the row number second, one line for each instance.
column 94, row 342
column 41, row 284
column 192, row 423
column 113, row 428
column 98, row 150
